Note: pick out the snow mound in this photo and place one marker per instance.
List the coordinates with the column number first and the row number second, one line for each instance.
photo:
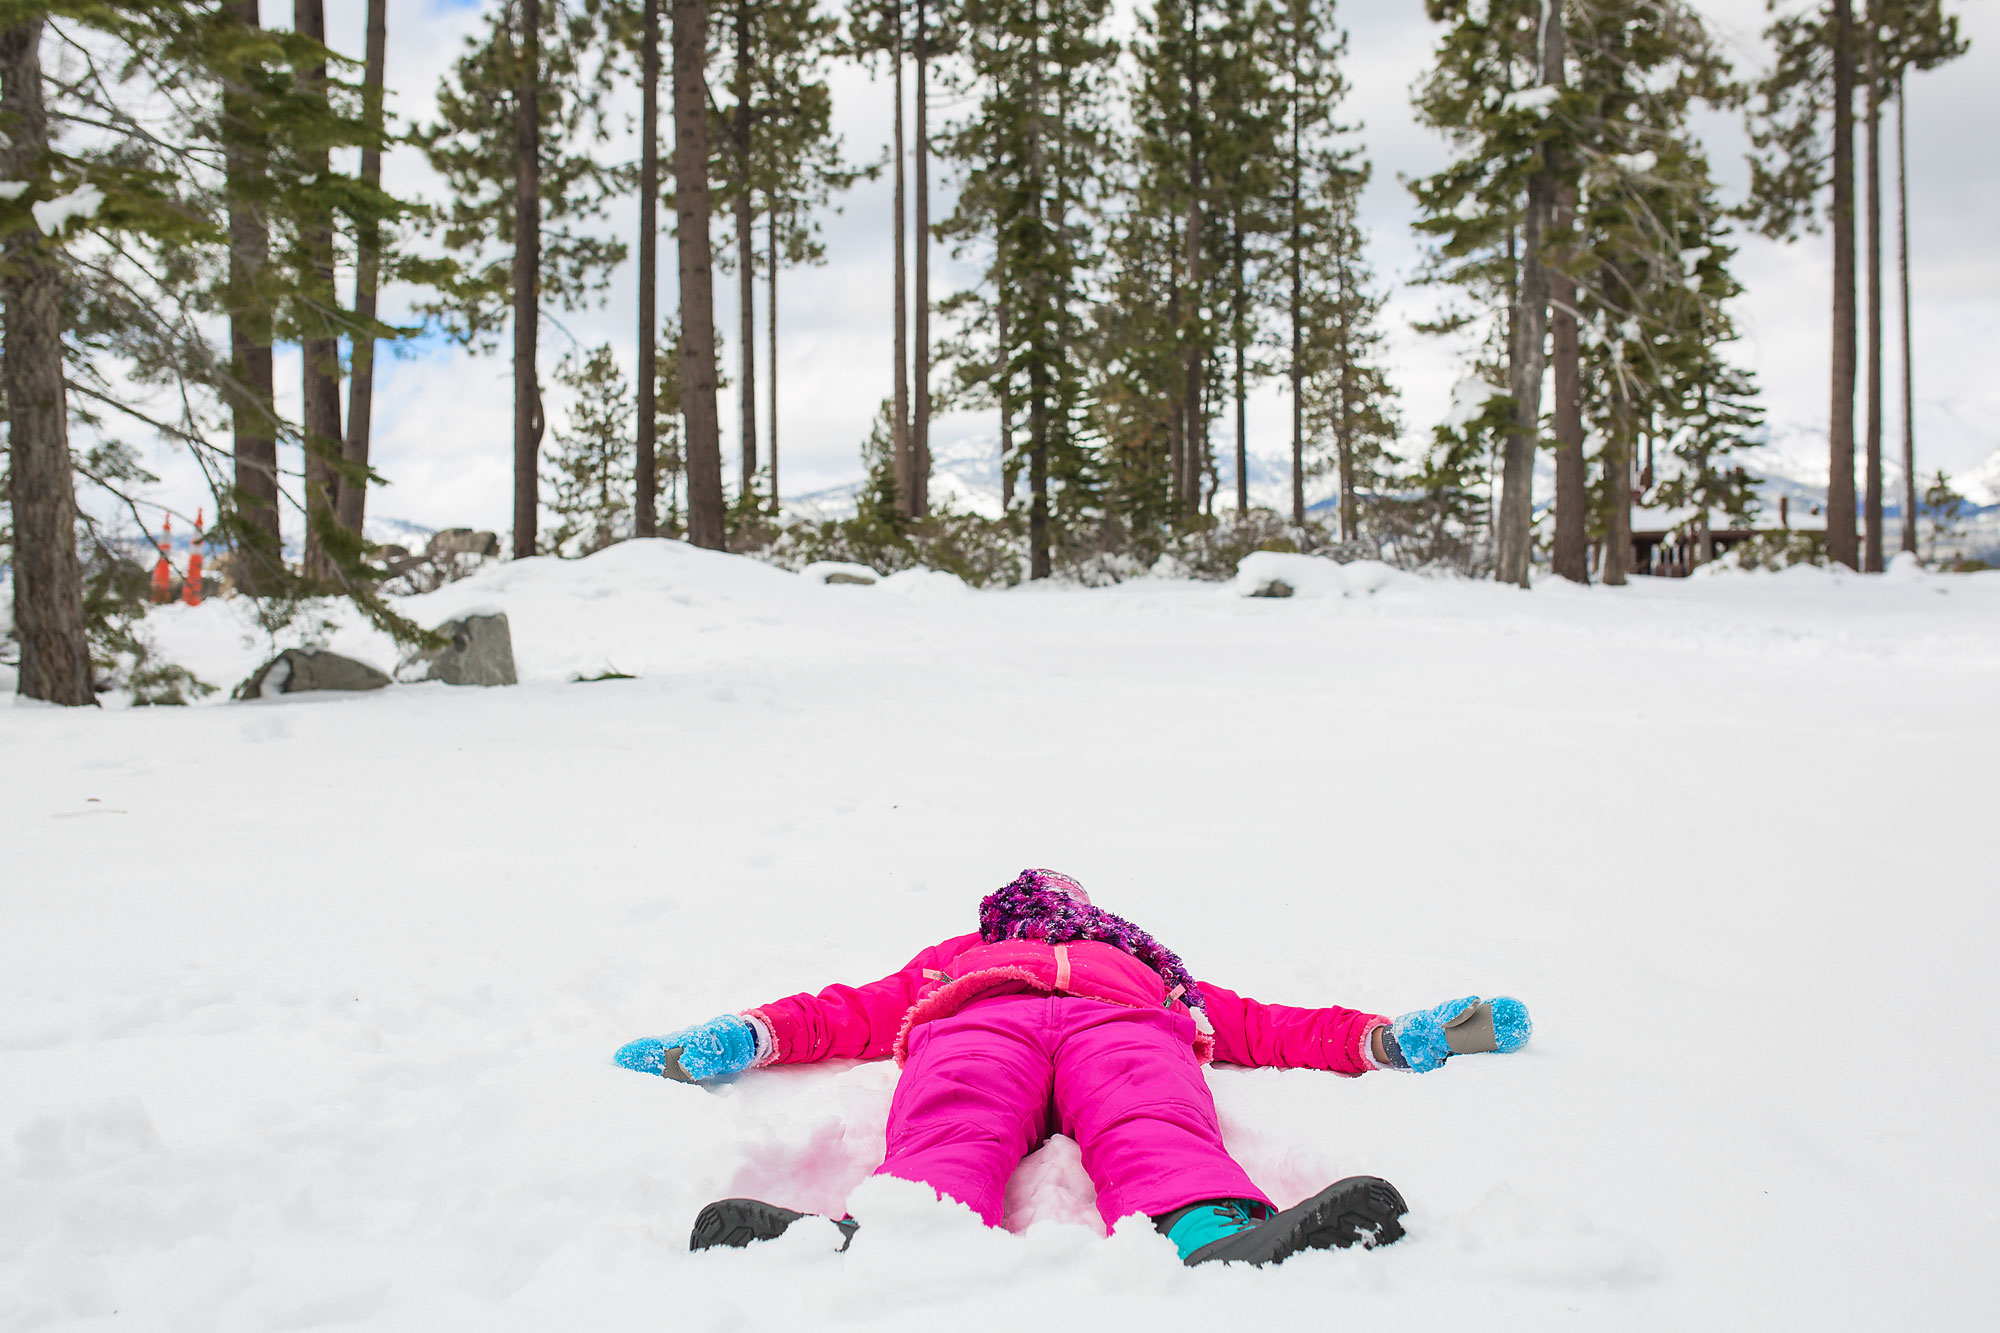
column 637, row 608
column 1259, row 574
column 927, row 585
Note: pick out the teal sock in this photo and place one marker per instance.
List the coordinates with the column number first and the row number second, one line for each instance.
column 1208, row 1221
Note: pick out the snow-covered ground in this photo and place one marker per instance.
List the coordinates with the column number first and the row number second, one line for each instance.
column 307, row 1005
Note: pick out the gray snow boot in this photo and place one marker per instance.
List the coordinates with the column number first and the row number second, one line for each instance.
column 737, row 1222
column 1360, row 1209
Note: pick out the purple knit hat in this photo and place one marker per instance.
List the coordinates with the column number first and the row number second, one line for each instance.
column 1053, row 908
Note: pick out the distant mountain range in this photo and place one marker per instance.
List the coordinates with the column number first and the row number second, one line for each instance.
column 1791, row 465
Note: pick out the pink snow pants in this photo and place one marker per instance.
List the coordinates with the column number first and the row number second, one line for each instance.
column 984, row 1086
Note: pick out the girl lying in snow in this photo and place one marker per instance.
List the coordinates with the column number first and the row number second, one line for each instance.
column 1059, row 1017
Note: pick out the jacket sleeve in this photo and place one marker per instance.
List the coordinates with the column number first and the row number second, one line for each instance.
column 1278, row 1036
column 851, row 1022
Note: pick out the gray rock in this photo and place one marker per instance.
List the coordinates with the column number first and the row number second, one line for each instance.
column 842, row 576
column 479, row 651
column 462, row 541
column 299, row 670
column 1275, row 588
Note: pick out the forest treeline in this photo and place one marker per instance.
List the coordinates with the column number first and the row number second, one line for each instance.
column 1160, row 221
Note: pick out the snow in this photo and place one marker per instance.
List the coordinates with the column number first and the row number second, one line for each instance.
column 52, row 215
column 820, row 571
column 1315, row 576
column 307, row 1004
column 1469, row 398
column 1535, row 99
column 13, row 189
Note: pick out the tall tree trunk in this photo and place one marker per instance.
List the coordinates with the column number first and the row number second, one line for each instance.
column 1188, row 485
column 1343, row 401
column 1527, row 357
column 1909, row 542
column 1039, row 564
column 1570, row 557
column 1840, row 536
column 701, row 433
column 645, row 508
column 1197, row 423
column 48, row 578
column 1871, row 554
column 771, row 204
column 1296, row 305
column 1242, row 384
column 528, row 421
column 920, row 442
column 352, row 505
column 258, row 557
column 1617, row 456
column 319, row 359
column 1036, row 283
column 1009, row 468
column 1512, row 284
column 746, row 256
column 899, row 428
column 1176, row 402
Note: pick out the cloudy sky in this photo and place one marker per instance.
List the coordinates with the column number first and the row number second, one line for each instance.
column 444, row 417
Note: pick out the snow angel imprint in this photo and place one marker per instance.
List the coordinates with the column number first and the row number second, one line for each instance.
column 1059, row 1017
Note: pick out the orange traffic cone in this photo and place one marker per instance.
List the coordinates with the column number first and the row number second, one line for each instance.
column 191, row 589
column 163, row 573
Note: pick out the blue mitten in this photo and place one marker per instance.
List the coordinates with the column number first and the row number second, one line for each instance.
column 1425, row 1038
column 715, row 1049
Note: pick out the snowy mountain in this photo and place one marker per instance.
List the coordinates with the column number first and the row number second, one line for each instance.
column 1793, row 463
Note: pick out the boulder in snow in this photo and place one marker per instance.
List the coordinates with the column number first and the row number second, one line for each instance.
column 479, row 650
column 1275, row 588
column 839, row 571
column 462, row 541
column 298, row 670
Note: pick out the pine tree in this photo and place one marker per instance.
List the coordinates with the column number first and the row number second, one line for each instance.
column 1908, row 35
column 48, row 580
column 645, row 504
column 1481, row 94
column 352, row 503
column 1348, row 393
column 779, row 161
column 317, row 317
column 1207, row 119
column 1945, row 506
column 518, row 119
column 589, row 474
column 1038, row 134
column 1317, row 174
column 702, row 437
column 1648, row 258
column 1803, row 128
column 170, row 128
column 1246, row 121
column 243, row 56
column 740, row 22
column 1136, row 365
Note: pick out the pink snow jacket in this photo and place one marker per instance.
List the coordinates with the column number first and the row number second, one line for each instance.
column 872, row 1021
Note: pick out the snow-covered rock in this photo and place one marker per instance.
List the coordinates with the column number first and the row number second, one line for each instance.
column 839, row 572
column 1311, row 576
